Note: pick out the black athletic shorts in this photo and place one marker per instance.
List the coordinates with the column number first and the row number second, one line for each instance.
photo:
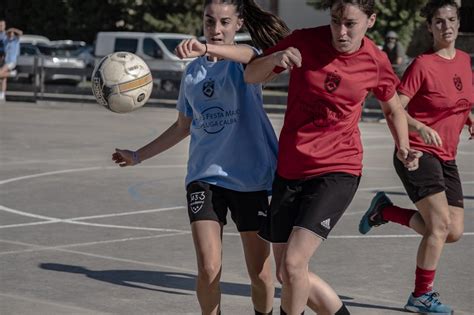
column 210, row 202
column 431, row 177
column 315, row 204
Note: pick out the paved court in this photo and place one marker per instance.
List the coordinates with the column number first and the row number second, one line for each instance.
column 79, row 235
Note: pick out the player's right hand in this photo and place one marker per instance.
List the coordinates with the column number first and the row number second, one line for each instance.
column 123, row 157
column 190, row 48
column 409, row 157
column 430, row 136
column 288, row 58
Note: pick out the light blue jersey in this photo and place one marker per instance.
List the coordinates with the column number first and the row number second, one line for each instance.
column 233, row 144
column 12, row 49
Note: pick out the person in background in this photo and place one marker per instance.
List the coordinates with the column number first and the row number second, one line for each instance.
column 436, row 89
column 10, row 40
column 394, row 49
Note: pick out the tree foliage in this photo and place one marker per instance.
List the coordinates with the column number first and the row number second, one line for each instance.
column 82, row 19
column 401, row 16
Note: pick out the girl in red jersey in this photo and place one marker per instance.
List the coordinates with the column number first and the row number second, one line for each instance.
column 333, row 68
column 437, row 89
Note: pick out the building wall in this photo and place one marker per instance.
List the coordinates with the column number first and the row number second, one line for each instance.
column 296, row 13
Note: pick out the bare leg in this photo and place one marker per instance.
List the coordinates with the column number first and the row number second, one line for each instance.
column 257, row 258
column 322, row 299
column 435, row 213
column 456, row 227
column 298, row 285
column 207, row 236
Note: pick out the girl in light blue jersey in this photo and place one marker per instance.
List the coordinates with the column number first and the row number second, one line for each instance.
column 232, row 152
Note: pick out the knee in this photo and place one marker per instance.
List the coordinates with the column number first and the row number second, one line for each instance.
column 290, row 270
column 440, row 228
column 209, row 272
column 455, row 234
column 262, row 277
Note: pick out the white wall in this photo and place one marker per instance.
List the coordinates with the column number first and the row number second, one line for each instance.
column 297, row 14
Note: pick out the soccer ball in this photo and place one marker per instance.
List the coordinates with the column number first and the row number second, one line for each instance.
column 122, row 82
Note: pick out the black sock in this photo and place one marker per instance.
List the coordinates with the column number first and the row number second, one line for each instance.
column 343, row 310
column 259, row 313
column 282, row 312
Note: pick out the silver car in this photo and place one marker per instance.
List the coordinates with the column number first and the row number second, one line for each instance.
column 52, row 61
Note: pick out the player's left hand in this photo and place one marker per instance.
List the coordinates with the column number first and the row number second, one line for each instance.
column 409, row 157
column 190, row 48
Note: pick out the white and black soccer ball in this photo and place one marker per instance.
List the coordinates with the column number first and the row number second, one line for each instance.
column 122, row 82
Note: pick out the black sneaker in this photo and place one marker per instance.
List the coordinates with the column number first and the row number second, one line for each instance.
column 373, row 215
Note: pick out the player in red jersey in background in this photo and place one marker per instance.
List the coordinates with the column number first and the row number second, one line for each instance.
column 437, row 91
column 333, row 68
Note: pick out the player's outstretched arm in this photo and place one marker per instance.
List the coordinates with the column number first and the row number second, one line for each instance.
column 260, row 69
column 191, row 48
column 173, row 135
column 429, row 135
column 397, row 123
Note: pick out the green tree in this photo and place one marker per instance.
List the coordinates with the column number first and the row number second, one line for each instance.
column 401, row 16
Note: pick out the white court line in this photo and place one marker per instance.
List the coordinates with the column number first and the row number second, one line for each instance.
column 41, row 248
column 61, row 249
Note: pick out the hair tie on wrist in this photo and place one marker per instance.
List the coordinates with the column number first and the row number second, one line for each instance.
column 135, row 158
column 205, row 44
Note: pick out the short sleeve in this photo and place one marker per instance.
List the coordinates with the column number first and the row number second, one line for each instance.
column 387, row 80
column 288, row 41
column 412, row 79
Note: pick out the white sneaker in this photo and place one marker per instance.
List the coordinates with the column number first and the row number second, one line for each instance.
column 12, row 73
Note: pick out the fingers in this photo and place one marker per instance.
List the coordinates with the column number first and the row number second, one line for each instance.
column 122, row 158
column 410, row 158
column 288, row 58
column 430, row 136
column 190, row 48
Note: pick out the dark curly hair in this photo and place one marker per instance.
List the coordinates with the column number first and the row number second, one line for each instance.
column 366, row 6
column 434, row 5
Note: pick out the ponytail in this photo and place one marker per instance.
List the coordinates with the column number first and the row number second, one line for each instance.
column 265, row 28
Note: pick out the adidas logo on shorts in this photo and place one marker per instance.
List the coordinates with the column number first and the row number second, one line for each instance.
column 326, row 223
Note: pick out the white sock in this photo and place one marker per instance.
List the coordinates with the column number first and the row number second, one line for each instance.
column 2, row 95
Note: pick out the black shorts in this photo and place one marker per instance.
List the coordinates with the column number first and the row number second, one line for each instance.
column 315, row 204
column 210, row 202
column 431, row 177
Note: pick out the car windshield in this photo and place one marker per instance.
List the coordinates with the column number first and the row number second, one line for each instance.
column 58, row 51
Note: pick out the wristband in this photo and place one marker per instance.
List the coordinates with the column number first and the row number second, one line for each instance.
column 135, row 158
column 205, row 44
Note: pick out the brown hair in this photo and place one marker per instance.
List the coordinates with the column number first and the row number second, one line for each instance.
column 434, row 5
column 265, row 28
column 366, row 6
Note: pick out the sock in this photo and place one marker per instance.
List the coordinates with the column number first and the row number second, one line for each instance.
column 282, row 312
column 423, row 281
column 343, row 310
column 260, row 313
column 398, row 215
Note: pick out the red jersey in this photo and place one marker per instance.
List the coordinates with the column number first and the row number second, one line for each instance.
column 320, row 133
column 441, row 97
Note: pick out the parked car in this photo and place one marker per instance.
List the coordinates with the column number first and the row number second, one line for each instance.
column 50, row 57
column 156, row 49
column 33, row 39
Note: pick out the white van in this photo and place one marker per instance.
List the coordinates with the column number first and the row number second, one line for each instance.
column 156, row 49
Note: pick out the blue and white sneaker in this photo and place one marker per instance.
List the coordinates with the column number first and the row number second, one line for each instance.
column 427, row 304
column 373, row 215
